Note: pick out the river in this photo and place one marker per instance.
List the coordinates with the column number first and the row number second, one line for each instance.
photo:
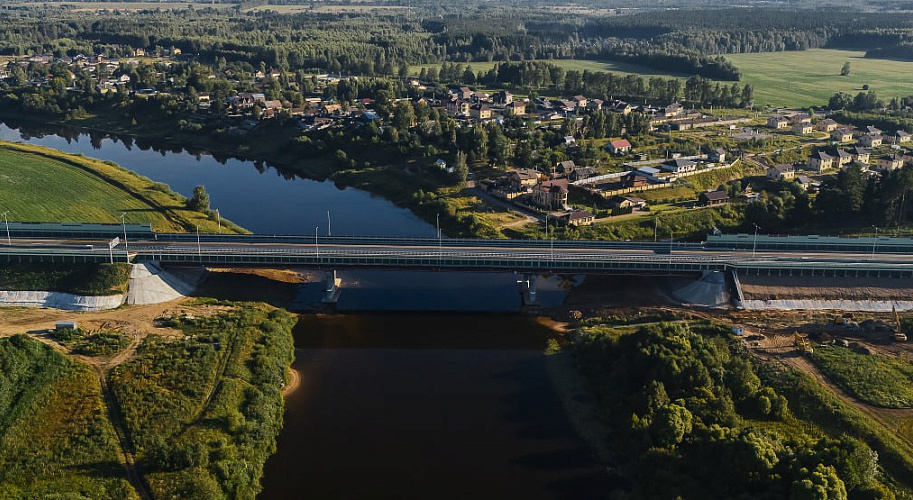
column 392, row 404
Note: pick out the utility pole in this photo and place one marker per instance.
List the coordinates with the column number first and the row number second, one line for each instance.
column 655, row 226
column 316, row 245
column 9, row 240
column 199, row 248
column 219, row 218
column 329, row 225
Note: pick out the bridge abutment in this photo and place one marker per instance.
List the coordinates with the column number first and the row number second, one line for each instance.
column 526, row 284
column 331, row 289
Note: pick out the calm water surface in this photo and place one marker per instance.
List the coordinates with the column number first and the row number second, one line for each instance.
column 395, row 405
column 426, row 406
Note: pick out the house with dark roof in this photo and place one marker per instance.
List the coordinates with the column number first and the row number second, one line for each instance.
column 820, row 161
column 678, row 166
column 579, row 218
column 565, row 167
column 581, row 173
column 713, row 198
column 785, row 172
column 890, row 162
column 551, row 194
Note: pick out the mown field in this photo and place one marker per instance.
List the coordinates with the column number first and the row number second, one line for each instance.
column 55, row 439
column 44, row 185
column 811, row 77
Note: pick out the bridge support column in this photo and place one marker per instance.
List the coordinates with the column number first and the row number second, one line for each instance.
column 526, row 284
column 331, row 288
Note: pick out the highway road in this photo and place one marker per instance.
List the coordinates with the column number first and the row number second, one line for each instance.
column 329, row 250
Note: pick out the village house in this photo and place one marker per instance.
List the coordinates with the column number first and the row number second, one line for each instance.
column 565, row 167
column 872, row 130
column 619, row 147
column 579, row 218
column 550, row 194
column 456, row 107
column 464, row 93
column 679, row 166
column 634, row 179
column 842, row 135
column 713, row 198
column 480, row 112
column 801, row 118
column 843, row 158
column 827, row 125
column 579, row 101
column 803, row 181
column 673, row 110
column 777, row 122
column 595, row 104
column 718, row 155
column 820, row 161
column 871, row 140
column 624, row 202
column 503, row 98
column 860, row 155
column 516, row 109
column 901, row 137
column 803, row 128
column 523, row 179
column 581, row 173
column 784, row 172
column 621, row 107
column 890, row 162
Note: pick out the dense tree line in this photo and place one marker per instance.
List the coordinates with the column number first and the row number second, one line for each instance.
column 692, row 418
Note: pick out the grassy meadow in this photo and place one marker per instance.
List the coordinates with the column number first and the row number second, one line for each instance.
column 811, row 77
column 44, row 185
column 873, row 378
column 55, row 439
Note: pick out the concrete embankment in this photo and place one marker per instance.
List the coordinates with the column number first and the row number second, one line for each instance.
column 840, row 305
column 149, row 284
column 819, row 293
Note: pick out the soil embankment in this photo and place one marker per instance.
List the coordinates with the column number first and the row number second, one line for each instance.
column 850, row 294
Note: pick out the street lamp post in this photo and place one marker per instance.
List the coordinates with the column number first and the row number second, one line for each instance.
column 123, row 222
column 655, row 226
column 9, row 240
column 219, row 219
column 329, row 225
column 875, row 242
column 440, row 250
column 754, row 247
column 316, row 245
column 199, row 248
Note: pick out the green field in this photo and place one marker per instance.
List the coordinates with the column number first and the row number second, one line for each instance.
column 44, row 185
column 875, row 379
column 570, row 64
column 55, row 439
column 811, row 77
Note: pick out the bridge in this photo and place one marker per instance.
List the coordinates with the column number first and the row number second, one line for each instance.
column 733, row 254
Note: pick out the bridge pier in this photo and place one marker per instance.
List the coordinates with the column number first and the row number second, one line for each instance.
column 331, row 288
column 526, row 284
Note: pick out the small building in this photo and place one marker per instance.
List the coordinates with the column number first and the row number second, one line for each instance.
column 784, row 172
column 842, row 135
column 718, row 155
column 803, row 128
column 738, row 330
column 516, row 108
column 523, row 179
column 480, row 112
column 843, row 158
column 871, row 140
column 890, row 162
column 827, row 125
column 65, row 325
column 581, row 173
column 503, row 97
column 634, row 179
column 860, row 155
column 551, row 194
column 820, row 161
column 713, row 198
column 565, row 167
column 627, row 202
column 679, row 166
column 803, row 181
column 619, row 147
column 579, row 218
column 569, row 141
column 901, row 137
column 777, row 122
column 441, row 164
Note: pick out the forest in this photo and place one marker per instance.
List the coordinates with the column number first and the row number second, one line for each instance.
column 693, row 416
